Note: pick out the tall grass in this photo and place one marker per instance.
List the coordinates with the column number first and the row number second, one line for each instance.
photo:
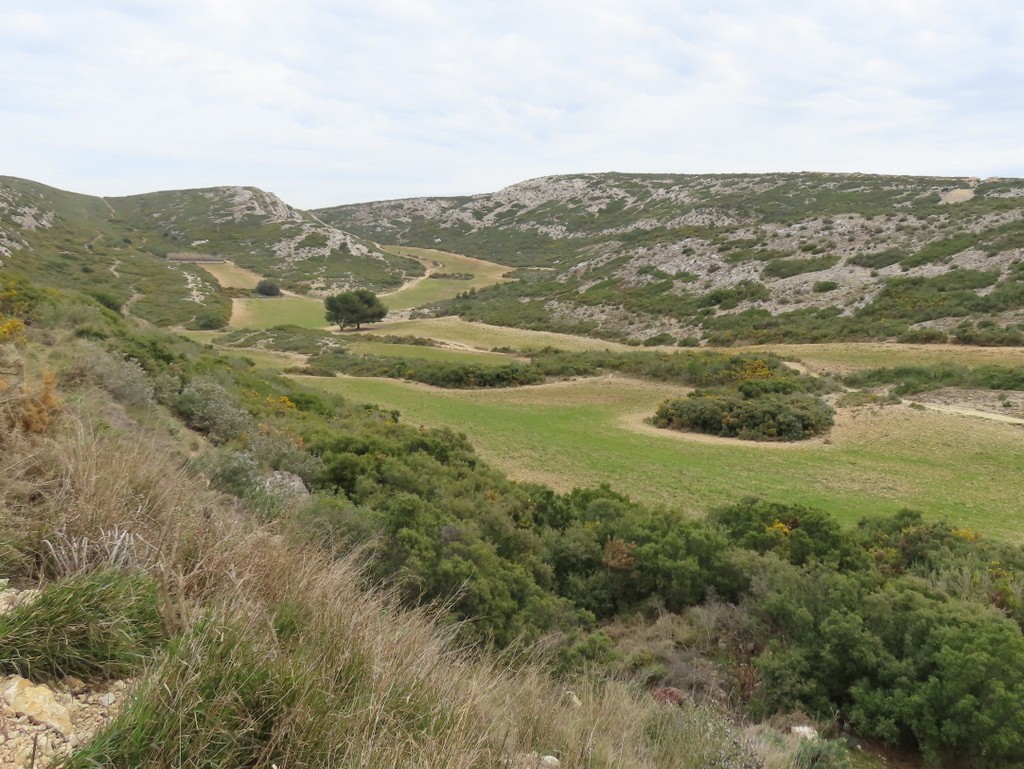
column 101, row 624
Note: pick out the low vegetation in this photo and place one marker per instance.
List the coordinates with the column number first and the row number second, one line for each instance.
column 254, row 639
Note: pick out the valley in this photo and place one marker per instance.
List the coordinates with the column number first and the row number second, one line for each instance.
column 488, row 452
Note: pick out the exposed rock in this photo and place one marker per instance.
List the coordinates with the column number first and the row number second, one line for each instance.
column 9, row 597
column 804, row 732
column 37, row 702
column 536, row 761
column 285, row 484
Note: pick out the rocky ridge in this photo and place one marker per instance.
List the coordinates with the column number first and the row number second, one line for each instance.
column 716, row 233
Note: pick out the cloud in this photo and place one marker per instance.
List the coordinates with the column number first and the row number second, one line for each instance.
column 326, row 102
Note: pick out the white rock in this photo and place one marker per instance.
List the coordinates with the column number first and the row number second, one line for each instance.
column 37, row 703
column 804, row 732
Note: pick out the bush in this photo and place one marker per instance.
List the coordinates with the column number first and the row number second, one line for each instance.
column 824, row 286
column 770, row 417
column 123, row 378
column 267, row 288
column 209, row 408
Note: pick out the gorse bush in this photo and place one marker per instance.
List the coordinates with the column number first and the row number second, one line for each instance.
column 765, row 417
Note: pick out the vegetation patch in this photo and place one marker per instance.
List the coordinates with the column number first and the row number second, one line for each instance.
column 907, row 380
column 787, row 268
column 768, row 416
column 101, row 624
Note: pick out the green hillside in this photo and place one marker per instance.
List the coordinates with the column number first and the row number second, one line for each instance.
column 741, row 258
column 131, row 253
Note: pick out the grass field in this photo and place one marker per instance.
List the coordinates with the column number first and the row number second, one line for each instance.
column 440, row 354
column 430, row 290
column 843, row 358
column 590, row 431
column 229, row 275
column 278, row 311
column 484, row 337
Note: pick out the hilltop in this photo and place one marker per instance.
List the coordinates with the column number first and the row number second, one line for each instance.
column 733, row 258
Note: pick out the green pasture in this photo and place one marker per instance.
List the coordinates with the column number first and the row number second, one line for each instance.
column 268, row 312
column 438, row 354
column 590, row 431
column 484, row 337
column 429, row 290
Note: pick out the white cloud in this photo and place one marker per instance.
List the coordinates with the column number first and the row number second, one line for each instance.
column 326, row 102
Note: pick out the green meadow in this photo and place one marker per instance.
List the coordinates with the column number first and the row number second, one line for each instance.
column 591, row 431
column 482, row 336
column 433, row 354
column 429, row 290
column 267, row 312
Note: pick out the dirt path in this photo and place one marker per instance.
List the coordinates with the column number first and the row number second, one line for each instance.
column 966, row 412
column 430, row 268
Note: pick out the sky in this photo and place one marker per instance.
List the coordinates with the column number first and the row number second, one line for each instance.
column 328, row 102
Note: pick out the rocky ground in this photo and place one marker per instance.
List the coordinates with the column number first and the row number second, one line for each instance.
column 40, row 720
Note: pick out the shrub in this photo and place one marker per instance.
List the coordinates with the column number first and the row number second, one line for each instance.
column 123, row 378
column 209, row 408
column 824, row 286
column 267, row 288
column 770, row 417
column 787, row 268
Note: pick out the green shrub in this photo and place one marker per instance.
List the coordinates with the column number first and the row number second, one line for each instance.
column 206, row 406
column 770, row 417
column 824, row 286
column 267, row 288
column 787, row 268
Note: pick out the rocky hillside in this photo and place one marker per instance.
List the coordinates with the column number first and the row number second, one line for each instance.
column 726, row 258
column 128, row 251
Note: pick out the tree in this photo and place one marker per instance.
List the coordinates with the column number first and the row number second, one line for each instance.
column 268, row 288
column 353, row 308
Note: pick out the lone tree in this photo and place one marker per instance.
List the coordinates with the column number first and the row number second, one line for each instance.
column 353, row 308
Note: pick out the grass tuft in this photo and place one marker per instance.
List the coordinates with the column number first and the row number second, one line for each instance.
column 103, row 624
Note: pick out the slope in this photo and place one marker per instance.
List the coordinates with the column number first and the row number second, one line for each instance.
column 134, row 253
column 729, row 258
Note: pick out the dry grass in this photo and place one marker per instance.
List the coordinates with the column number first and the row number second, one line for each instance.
column 230, row 275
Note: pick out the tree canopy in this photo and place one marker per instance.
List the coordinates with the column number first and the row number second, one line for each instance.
column 353, row 308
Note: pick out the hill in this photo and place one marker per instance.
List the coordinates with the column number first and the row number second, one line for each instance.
column 733, row 258
column 136, row 251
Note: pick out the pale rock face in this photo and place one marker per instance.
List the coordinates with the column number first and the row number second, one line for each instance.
column 36, row 702
column 804, row 732
column 285, row 484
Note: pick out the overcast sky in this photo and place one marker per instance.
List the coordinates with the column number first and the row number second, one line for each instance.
column 327, row 102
